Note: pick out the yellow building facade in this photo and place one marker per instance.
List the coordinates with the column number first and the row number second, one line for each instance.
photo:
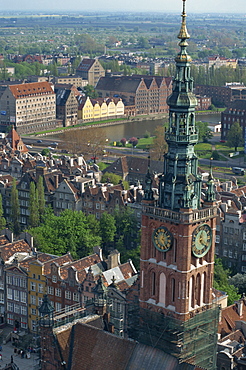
column 97, row 109
column 36, row 290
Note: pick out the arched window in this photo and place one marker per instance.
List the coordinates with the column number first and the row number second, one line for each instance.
column 162, row 289
column 198, row 290
column 174, row 250
column 173, row 290
column 204, row 284
column 192, row 293
column 153, row 283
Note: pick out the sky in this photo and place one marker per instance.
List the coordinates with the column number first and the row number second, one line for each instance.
column 193, row 6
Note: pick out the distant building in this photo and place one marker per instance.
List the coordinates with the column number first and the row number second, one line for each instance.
column 218, row 62
column 30, row 107
column 14, row 142
column 69, row 80
column 100, row 108
column 147, row 93
column 222, row 95
column 134, row 169
column 236, row 112
column 90, row 70
column 203, row 102
column 66, row 104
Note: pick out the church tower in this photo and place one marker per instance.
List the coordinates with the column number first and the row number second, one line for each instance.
column 178, row 236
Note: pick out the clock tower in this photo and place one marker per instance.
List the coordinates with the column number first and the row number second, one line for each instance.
column 178, row 236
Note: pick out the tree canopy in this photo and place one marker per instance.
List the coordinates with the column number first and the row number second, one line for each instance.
column 239, row 281
column 221, row 281
column 204, row 132
column 235, row 136
column 71, row 231
column 159, row 146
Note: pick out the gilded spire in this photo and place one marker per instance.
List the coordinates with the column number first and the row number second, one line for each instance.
column 183, row 33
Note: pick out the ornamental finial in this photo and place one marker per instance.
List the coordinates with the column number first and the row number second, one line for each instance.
column 183, row 33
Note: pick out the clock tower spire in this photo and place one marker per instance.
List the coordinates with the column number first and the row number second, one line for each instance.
column 178, row 236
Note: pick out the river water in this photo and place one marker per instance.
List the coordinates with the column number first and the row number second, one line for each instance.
column 139, row 128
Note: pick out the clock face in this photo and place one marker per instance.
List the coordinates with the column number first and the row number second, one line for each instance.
column 162, row 239
column 201, row 240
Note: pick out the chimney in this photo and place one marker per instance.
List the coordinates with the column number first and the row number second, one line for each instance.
column 98, row 251
column 113, row 259
column 56, row 181
column 40, row 171
column 239, row 306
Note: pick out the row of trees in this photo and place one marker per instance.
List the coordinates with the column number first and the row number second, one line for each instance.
column 36, row 207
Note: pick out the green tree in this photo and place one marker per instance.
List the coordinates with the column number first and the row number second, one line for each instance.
column 45, row 152
column 15, row 209
column 215, row 155
column 107, row 228
column 235, row 136
column 40, row 197
column 33, row 206
column 143, row 43
column 90, row 91
column 204, row 132
column 239, row 281
column 71, row 231
column 127, row 231
column 221, row 281
column 2, row 219
column 159, row 146
column 111, row 177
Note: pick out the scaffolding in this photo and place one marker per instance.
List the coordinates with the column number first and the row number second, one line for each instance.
column 193, row 341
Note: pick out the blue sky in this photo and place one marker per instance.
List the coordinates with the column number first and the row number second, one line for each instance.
column 205, row 6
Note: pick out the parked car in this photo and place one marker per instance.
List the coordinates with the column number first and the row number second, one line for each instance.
column 55, row 143
column 50, row 148
column 39, row 141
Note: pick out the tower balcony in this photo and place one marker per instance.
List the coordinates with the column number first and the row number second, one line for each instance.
column 187, row 216
column 193, row 138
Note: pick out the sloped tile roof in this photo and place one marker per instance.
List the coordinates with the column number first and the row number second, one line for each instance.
column 14, row 139
column 19, row 246
column 132, row 164
column 31, row 89
column 80, row 266
column 3, row 240
column 100, row 350
column 61, row 261
column 127, row 270
column 121, row 84
column 85, row 64
column 229, row 317
column 240, row 191
column 85, row 347
column 41, row 257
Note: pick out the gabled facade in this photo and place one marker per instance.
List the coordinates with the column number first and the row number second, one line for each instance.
column 90, row 70
column 146, row 93
column 36, row 291
column 100, row 108
column 100, row 199
column 66, row 196
column 15, row 141
column 16, row 296
column 66, row 104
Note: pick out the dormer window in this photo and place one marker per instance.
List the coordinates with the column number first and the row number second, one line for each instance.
column 54, row 279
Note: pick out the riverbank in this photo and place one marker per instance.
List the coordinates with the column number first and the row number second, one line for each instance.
column 108, row 123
